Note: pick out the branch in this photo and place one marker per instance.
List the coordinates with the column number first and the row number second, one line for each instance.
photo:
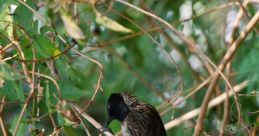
column 98, row 85
column 91, row 120
column 1, row 119
column 216, row 101
column 32, row 85
column 225, row 60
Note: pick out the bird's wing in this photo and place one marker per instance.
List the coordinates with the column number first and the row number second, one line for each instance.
column 144, row 120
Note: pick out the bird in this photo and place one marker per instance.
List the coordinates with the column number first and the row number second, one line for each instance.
column 136, row 117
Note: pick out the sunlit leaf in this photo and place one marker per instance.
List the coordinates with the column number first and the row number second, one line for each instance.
column 111, row 24
column 56, row 53
column 71, row 27
column 6, row 21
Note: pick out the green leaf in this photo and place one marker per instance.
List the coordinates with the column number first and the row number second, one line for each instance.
column 70, row 91
column 45, row 48
column 4, row 3
column 6, row 20
column 115, row 126
column 8, row 91
column 70, row 131
column 49, row 99
column 22, row 128
column 248, row 68
column 23, row 16
column 6, row 72
column 20, row 91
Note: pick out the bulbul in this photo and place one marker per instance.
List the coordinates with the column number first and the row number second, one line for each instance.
column 137, row 118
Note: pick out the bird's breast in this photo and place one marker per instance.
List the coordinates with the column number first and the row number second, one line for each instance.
column 124, row 129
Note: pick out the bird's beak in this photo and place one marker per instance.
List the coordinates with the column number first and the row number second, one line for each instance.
column 110, row 120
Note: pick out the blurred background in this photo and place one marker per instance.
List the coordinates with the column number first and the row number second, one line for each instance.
column 82, row 51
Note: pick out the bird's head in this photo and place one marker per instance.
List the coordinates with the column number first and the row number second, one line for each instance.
column 119, row 105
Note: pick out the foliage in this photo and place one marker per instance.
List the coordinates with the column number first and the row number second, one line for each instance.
column 55, row 54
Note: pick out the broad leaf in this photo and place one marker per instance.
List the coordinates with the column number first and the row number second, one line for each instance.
column 110, row 24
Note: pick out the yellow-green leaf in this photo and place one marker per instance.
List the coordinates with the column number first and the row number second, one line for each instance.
column 71, row 27
column 56, row 53
column 111, row 24
column 6, row 21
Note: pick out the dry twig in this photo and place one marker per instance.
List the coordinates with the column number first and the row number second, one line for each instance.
column 98, row 85
column 91, row 120
column 1, row 119
column 225, row 60
column 216, row 101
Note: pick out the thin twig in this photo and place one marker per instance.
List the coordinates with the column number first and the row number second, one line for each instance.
column 159, row 45
column 34, row 12
column 190, row 43
column 216, row 101
column 137, row 75
column 244, row 8
column 238, row 19
column 56, row 132
column 52, row 80
column 226, row 103
column 82, row 122
column 98, row 85
column 85, row 127
column 188, row 95
column 233, row 48
column 32, row 84
column 172, row 45
column 1, row 119
column 158, row 28
column 91, row 120
column 210, row 10
column 52, row 121
column 219, row 71
column 192, row 46
column 21, row 55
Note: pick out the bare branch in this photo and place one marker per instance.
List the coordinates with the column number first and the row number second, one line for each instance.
column 225, row 60
column 91, row 120
column 216, row 101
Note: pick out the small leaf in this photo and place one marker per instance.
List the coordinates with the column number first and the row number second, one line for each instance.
column 8, row 90
column 44, row 46
column 23, row 16
column 20, row 91
column 67, row 87
column 71, row 27
column 6, row 72
column 110, row 24
column 6, row 25
column 56, row 53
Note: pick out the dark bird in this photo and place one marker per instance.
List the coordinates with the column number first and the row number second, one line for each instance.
column 137, row 118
